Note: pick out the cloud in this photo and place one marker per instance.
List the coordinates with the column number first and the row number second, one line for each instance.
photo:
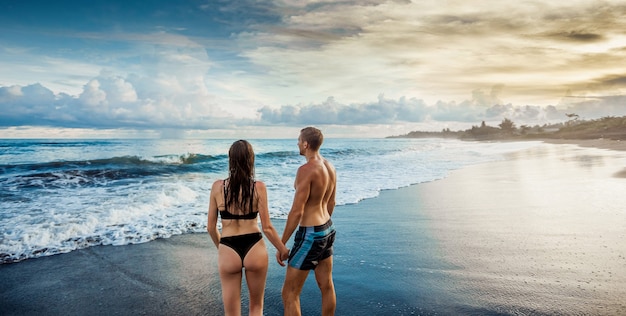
column 481, row 107
column 30, row 105
column 618, row 81
column 110, row 101
column 579, row 36
column 332, row 112
column 223, row 65
column 431, row 51
column 592, row 107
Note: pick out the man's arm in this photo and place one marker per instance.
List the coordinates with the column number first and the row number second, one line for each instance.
column 330, row 205
column 303, row 189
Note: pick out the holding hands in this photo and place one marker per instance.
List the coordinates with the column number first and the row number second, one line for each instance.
column 282, row 255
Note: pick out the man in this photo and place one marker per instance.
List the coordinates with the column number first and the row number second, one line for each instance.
column 313, row 204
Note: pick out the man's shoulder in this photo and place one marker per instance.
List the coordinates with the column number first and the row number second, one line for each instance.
column 306, row 167
column 329, row 164
column 312, row 168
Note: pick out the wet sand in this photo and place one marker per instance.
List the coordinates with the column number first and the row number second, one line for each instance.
column 596, row 143
column 540, row 233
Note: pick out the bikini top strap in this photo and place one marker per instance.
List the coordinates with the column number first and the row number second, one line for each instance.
column 225, row 196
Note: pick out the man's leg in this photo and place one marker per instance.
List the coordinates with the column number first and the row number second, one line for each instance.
column 324, row 278
column 294, row 281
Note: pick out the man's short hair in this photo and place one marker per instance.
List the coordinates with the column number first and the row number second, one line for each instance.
column 312, row 136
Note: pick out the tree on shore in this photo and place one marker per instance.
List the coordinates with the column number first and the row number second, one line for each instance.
column 606, row 127
column 524, row 129
column 507, row 126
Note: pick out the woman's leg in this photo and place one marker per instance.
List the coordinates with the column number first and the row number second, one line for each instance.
column 229, row 265
column 256, row 262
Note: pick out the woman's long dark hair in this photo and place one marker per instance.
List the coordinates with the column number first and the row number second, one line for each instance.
column 241, row 176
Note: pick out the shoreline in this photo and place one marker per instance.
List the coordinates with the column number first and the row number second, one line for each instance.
column 539, row 233
column 600, row 143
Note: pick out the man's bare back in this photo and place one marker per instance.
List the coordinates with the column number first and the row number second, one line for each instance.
column 319, row 175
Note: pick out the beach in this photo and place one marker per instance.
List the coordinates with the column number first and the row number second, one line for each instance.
column 538, row 233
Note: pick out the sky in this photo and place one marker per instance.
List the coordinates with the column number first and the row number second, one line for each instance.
column 265, row 69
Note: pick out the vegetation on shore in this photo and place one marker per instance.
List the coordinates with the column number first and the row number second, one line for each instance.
column 607, row 127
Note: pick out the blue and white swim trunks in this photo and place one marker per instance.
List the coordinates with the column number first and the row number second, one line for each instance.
column 312, row 244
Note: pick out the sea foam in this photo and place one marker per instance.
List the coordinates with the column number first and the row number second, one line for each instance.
column 58, row 196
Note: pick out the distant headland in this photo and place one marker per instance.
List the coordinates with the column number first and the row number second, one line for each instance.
column 610, row 127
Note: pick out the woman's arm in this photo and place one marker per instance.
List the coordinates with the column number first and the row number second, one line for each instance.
column 266, row 224
column 212, row 216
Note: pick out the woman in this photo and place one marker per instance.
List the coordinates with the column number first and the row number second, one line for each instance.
column 239, row 199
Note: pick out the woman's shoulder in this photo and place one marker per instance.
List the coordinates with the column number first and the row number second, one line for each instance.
column 258, row 184
column 218, row 183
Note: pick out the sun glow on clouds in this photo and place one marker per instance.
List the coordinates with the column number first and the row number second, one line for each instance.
column 350, row 65
column 430, row 50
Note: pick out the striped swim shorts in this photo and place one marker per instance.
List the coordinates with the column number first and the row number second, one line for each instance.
column 312, row 244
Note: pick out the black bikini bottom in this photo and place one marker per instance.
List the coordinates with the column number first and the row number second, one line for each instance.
column 241, row 243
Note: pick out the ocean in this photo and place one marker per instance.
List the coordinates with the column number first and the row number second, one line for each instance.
column 57, row 196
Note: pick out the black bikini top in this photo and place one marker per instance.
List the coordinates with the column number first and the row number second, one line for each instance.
column 225, row 214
